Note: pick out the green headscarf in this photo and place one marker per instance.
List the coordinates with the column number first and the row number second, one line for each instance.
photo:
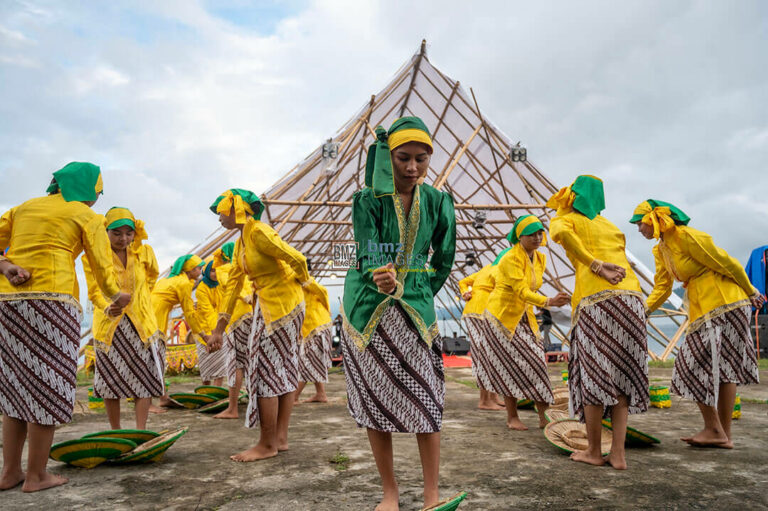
column 590, row 197
column 378, row 166
column 646, row 207
column 227, row 251
column 207, row 276
column 244, row 201
column 77, row 181
column 185, row 263
column 524, row 226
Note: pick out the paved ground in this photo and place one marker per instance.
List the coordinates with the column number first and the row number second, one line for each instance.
column 499, row 468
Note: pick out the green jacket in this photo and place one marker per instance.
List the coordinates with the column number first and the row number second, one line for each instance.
column 383, row 234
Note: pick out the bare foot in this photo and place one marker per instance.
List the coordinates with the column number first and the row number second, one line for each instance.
column 707, row 438
column 388, row 504
column 431, row 499
column 281, row 447
column 156, row 409
column 227, row 414
column 254, row 454
column 317, row 398
column 619, row 462
column 586, row 457
column 12, row 480
column 490, row 406
column 47, row 481
column 543, row 422
column 516, row 425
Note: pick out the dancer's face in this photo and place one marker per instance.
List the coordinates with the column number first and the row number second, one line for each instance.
column 121, row 237
column 410, row 162
column 646, row 230
column 532, row 242
column 228, row 221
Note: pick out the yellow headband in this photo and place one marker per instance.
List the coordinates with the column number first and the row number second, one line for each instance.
column 401, row 137
column 99, row 188
column 192, row 263
column 660, row 218
column 115, row 214
column 563, row 199
column 242, row 208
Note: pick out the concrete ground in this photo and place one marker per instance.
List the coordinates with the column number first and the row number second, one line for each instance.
column 329, row 465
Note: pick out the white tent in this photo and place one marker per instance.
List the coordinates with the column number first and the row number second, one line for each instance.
column 310, row 205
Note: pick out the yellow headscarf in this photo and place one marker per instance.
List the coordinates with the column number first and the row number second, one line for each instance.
column 118, row 217
column 661, row 215
column 242, row 201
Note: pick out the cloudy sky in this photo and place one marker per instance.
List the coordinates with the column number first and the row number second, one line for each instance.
column 178, row 100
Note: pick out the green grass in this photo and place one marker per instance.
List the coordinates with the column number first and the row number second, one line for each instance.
column 469, row 383
column 661, row 364
column 340, row 461
column 762, row 363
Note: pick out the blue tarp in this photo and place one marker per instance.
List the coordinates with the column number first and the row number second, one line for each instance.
column 756, row 270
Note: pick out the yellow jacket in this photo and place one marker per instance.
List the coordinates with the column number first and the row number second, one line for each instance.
column 714, row 281
column 318, row 310
column 517, row 280
column 273, row 266
column 170, row 292
column 482, row 283
column 210, row 301
column 585, row 240
column 45, row 236
column 138, row 278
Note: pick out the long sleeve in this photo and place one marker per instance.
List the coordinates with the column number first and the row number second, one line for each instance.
column 6, row 224
column 151, row 268
column 443, row 243
column 94, row 292
column 561, row 231
column 467, row 282
column 662, row 283
column 184, row 295
column 701, row 248
column 273, row 246
column 206, row 309
column 365, row 221
column 232, row 288
column 512, row 270
column 98, row 252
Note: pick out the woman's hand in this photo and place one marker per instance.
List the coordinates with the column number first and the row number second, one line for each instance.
column 16, row 275
column 114, row 311
column 213, row 341
column 122, row 300
column 467, row 295
column 385, row 278
column 613, row 273
column 558, row 300
column 757, row 300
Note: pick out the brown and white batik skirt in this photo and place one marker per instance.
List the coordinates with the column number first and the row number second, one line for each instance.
column 236, row 346
column 315, row 357
column 609, row 356
column 39, row 340
column 721, row 351
column 129, row 368
column 509, row 364
column 272, row 361
column 396, row 384
column 211, row 365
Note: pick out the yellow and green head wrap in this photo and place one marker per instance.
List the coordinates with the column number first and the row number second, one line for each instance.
column 378, row 165
column 185, row 263
column 524, row 226
column 663, row 216
column 224, row 254
column 77, row 181
column 585, row 195
column 245, row 202
column 118, row 217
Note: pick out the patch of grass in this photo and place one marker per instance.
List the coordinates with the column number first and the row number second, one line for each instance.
column 84, row 378
column 340, row 461
column 469, row 383
column 754, row 400
column 336, row 370
column 661, row 364
column 762, row 363
column 182, row 378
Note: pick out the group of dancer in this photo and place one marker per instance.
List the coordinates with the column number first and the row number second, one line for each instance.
column 263, row 320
